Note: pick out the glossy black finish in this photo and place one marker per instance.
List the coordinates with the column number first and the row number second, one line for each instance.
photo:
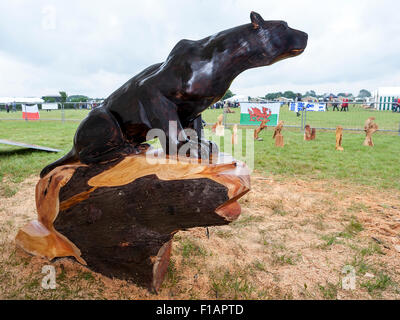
column 195, row 75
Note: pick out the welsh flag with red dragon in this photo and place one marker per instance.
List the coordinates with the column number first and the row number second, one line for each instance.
column 254, row 113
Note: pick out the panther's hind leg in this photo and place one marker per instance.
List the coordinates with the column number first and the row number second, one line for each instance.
column 99, row 138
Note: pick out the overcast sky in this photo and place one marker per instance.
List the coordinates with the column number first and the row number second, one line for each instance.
column 93, row 47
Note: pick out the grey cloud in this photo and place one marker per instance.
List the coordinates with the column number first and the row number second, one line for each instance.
column 97, row 45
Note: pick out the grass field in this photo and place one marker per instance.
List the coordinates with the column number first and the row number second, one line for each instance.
column 354, row 119
column 312, row 160
column 312, row 210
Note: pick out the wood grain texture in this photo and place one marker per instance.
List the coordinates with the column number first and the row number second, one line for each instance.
column 120, row 218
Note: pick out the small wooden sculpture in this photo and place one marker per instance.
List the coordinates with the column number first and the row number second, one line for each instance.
column 234, row 134
column 219, row 127
column 339, row 135
column 278, row 136
column 309, row 133
column 370, row 127
column 119, row 218
column 259, row 129
column 218, row 123
column 227, row 109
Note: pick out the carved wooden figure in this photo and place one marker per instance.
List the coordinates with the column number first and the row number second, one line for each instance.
column 220, row 118
column 195, row 75
column 234, row 134
column 219, row 127
column 259, row 129
column 278, row 135
column 339, row 135
column 370, row 127
column 120, row 218
column 309, row 133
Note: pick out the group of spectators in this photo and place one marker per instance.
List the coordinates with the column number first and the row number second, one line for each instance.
column 396, row 105
column 221, row 105
column 10, row 107
column 334, row 102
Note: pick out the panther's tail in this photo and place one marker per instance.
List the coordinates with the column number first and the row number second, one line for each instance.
column 68, row 158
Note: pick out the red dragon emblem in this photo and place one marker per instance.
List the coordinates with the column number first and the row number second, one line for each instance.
column 257, row 115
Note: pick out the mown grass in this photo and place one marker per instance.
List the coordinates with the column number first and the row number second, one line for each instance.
column 69, row 114
column 355, row 118
column 17, row 163
column 377, row 166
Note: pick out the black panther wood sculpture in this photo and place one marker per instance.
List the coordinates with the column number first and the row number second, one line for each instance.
column 115, row 211
column 195, row 75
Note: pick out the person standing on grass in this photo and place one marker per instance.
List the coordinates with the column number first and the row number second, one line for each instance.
column 397, row 105
column 7, row 108
column 326, row 101
column 298, row 99
column 335, row 105
column 345, row 105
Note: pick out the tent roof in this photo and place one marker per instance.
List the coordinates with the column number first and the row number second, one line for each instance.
column 20, row 100
column 389, row 91
column 239, row 98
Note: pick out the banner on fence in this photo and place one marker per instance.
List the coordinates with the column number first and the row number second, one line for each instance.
column 49, row 106
column 254, row 113
column 30, row 112
column 310, row 106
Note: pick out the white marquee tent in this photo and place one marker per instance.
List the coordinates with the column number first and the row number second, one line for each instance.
column 238, row 98
column 34, row 100
column 384, row 97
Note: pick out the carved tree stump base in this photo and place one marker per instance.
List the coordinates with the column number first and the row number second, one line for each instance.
column 120, row 218
column 279, row 141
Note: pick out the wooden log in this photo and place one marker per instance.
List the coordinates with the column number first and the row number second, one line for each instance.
column 339, row 135
column 278, row 135
column 259, row 129
column 370, row 127
column 119, row 218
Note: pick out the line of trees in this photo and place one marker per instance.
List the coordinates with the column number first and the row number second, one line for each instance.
column 311, row 93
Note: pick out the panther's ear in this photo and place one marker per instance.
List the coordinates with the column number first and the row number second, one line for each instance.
column 256, row 19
